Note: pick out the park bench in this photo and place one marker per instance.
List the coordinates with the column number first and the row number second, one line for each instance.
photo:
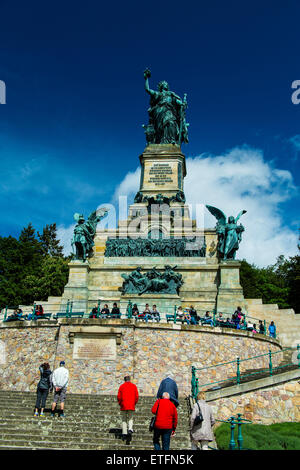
column 16, row 318
column 178, row 319
column 45, row 316
column 68, row 315
column 150, row 320
column 206, row 321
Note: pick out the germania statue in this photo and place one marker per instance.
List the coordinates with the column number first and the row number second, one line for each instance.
column 167, row 123
column 229, row 233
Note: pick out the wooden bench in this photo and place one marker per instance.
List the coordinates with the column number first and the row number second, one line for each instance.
column 16, row 318
column 178, row 319
column 68, row 315
column 45, row 316
column 105, row 315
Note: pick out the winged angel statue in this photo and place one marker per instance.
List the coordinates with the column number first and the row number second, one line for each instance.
column 84, row 233
column 229, row 233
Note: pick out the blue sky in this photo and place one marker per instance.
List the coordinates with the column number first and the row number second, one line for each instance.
column 75, row 102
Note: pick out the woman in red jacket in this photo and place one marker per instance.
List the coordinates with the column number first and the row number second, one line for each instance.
column 127, row 397
column 165, row 422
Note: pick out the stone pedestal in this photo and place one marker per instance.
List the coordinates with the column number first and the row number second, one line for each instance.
column 230, row 293
column 76, row 290
column 163, row 170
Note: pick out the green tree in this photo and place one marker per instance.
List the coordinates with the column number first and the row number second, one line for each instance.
column 31, row 268
column 48, row 239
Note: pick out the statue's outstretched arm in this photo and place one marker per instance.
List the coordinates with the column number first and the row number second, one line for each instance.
column 147, row 75
column 240, row 214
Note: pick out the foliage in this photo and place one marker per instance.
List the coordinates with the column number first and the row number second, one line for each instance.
column 31, row 267
column 279, row 436
column 275, row 284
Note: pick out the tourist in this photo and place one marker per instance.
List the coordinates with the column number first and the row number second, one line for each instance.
column 42, row 389
column 201, row 433
column 127, row 397
column 261, row 328
column 207, row 319
column 235, row 319
column 39, row 311
column 60, row 380
column 193, row 315
column 249, row 326
column 165, row 422
column 14, row 316
column 254, row 328
column 169, row 385
column 155, row 313
column 115, row 311
column 135, row 310
column 187, row 317
column 94, row 312
column 105, row 311
column 272, row 330
column 239, row 314
column 221, row 318
column 147, row 313
column 180, row 314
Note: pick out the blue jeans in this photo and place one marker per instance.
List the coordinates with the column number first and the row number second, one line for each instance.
column 165, row 437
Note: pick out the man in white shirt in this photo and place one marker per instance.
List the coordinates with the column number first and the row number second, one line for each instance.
column 60, row 379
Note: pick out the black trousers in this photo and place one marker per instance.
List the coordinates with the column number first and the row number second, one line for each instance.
column 41, row 398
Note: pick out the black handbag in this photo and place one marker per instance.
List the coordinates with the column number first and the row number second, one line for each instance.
column 152, row 422
column 199, row 418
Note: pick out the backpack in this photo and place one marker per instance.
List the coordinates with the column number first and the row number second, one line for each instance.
column 44, row 383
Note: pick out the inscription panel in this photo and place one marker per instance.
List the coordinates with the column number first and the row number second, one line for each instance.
column 162, row 175
column 102, row 348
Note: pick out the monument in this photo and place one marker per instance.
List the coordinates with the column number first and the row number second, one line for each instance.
column 158, row 255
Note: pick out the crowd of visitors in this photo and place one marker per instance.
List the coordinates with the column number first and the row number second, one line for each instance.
column 188, row 316
column 165, row 417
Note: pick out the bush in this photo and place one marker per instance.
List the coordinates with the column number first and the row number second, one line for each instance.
column 279, row 436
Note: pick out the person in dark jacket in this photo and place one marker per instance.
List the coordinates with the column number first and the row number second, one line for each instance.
column 127, row 397
column 169, row 385
column 115, row 311
column 42, row 388
column 165, row 421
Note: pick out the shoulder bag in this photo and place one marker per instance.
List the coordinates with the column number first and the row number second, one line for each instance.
column 152, row 422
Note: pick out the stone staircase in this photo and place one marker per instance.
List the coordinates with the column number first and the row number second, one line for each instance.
column 92, row 422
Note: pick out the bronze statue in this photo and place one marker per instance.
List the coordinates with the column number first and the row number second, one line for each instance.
column 167, row 123
column 84, row 233
column 153, row 281
column 229, row 234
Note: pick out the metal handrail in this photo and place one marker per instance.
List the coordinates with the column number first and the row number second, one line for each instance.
column 195, row 383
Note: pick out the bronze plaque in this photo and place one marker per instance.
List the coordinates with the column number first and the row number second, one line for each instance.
column 102, row 348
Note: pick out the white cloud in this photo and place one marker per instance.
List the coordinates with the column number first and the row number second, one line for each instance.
column 129, row 186
column 239, row 179
column 65, row 234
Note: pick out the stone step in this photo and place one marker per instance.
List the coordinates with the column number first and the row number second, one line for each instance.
column 91, row 423
column 65, row 423
column 86, row 444
column 139, row 432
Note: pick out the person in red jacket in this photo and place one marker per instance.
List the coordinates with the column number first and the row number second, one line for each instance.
column 127, row 397
column 165, row 422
